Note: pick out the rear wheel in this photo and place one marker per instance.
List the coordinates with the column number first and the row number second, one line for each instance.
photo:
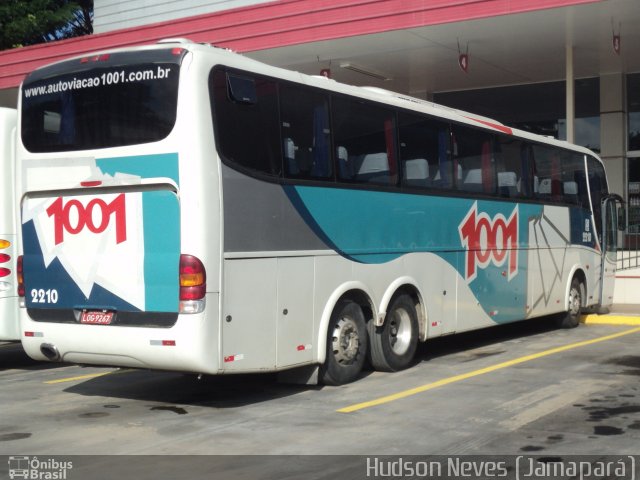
column 347, row 344
column 571, row 318
column 394, row 344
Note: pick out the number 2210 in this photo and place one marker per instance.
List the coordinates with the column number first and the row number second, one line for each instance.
column 41, row 295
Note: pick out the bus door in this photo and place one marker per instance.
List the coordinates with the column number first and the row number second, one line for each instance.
column 610, row 226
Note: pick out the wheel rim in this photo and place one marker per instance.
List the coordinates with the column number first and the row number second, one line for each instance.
column 400, row 331
column 574, row 301
column 346, row 341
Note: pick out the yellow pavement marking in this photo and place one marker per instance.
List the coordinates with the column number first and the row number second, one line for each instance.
column 593, row 319
column 482, row 371
column 85, row 377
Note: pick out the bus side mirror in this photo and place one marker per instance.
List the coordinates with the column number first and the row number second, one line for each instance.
column 622, row 218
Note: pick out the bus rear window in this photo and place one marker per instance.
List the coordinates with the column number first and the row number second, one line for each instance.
column 103, row 105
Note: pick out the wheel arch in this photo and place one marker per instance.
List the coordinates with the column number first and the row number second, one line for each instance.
column 354, row 291
column 576, row 272
column 409, row 286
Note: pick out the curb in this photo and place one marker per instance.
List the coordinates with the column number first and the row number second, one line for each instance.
column 594, row 319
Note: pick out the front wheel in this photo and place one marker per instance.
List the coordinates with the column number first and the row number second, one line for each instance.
column 394, row 344
column 571, row 318
column 347, row 344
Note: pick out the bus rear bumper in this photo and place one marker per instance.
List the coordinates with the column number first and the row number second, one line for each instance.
column 191, row 345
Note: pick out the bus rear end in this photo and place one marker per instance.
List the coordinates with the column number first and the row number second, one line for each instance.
column 9, row 328
column 107, row 276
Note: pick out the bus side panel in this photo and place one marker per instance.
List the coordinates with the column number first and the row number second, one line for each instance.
column 492, row 237
column 548, row 237
column 439, row 282
column 268, row 269
column 9, row 325
column 249, row 312
column 265, row 219
column 294, row 313
column 259, row 217
column 557, row 249
column 268, row 313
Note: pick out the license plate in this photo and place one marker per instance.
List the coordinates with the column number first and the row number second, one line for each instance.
column 96, row 318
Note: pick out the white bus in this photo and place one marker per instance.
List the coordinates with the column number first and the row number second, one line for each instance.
column 9, row 324
column 186, row 208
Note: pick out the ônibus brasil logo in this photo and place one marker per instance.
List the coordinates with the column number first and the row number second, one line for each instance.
column 489, row 240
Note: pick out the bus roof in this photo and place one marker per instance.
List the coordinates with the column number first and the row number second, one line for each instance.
column 237, row 60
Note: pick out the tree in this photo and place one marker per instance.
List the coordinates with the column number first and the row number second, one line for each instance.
column 27, row 22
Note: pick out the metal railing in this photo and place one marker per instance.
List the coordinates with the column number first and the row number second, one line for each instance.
column 629, row 253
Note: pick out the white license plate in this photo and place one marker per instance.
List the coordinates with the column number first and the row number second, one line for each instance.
column 96, row 318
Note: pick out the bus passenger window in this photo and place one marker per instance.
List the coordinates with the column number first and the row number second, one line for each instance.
column 560, row 175
column 513, row 167
column 424, row 152
column 574, row 182
column 245, row 115
column 304, row 115
column 475, row 156
column 366, row 142
column 544, row 171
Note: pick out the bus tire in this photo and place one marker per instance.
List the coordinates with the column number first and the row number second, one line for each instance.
column 394, row 344
column 571, row 318
column 347, row 344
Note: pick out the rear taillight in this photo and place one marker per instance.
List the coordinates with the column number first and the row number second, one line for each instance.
column 20, row 278
column 193, row 278
column 4, row 259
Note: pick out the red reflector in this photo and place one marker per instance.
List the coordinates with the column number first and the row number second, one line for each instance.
column 4, row 272
column 29, row 334
column 84, row 60
column 300, row 348
column 104, row 57
column 176, row 51
column 4, row 258
column 168, row 343
column 91, row 183
column 192, row 293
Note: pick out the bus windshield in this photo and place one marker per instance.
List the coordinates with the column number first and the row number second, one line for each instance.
column 101, row 101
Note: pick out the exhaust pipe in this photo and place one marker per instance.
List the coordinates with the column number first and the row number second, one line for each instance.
column 50, row 351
